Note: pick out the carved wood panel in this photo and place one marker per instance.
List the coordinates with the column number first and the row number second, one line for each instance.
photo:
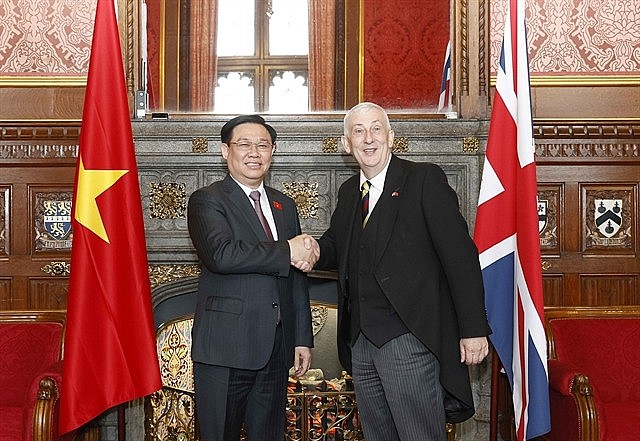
column 36, row 234
column 589, row 242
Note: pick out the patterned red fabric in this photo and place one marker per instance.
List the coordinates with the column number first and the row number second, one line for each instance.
column 28, row 352
column 26, row 349
column 11, row 423
column 607, row 350
column 623, row 421
column 404, row 47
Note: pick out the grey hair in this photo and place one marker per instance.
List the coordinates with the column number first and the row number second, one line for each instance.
column 361, row 107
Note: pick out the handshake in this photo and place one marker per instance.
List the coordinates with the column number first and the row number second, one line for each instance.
column 305, row 252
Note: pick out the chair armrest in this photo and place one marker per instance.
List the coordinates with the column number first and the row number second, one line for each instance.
column 561, row 376
column 573, row 405
column 41, row 417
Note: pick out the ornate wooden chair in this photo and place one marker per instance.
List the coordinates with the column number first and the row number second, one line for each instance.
column 594, row 372
column 30, row 374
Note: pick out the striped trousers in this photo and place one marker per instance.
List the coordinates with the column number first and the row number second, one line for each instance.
column 398, row 390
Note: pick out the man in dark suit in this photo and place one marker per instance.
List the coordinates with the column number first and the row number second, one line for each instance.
column 411, row 313
column 252, row 319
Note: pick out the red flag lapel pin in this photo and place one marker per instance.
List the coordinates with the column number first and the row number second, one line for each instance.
column 277, row 205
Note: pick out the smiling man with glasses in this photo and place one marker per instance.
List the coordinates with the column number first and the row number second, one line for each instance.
column 252, row 320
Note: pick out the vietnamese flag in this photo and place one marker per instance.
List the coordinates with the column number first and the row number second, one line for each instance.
column 110, row 350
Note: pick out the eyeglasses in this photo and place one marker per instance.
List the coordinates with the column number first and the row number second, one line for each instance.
column 245, row 146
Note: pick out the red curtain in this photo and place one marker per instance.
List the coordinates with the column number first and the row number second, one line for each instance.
column 322, row 30
column 202, row 69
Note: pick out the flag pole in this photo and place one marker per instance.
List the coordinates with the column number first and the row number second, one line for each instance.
column 495, row 398
column 122, row 432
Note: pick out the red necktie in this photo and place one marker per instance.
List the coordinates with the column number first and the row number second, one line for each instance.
column 365, row 202
column 255, row 195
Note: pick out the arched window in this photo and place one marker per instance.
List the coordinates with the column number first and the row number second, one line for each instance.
column 240, row 56
column 263, row 62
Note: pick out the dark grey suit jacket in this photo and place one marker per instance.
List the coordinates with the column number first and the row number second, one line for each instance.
column 245, row 279
column 426, row 264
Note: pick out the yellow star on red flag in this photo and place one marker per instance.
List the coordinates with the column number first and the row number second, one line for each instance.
column 91, row 184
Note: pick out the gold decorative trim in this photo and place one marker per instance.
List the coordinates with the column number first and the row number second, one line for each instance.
column 199, row 145
column 319, row 316
column 170, row 415
column 176, row 367
column 57, row 269
column 482, row 48
column 167, row 200
column 4, row 221
column 581, row 80
column 305, row 196
column 470, row 144
column 128, row 34
column 464, row 47
column 400, row 145
column 42, row 81
column 159, row 274
column 330, row 145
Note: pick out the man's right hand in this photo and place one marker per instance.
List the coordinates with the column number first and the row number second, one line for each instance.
column 305, row 252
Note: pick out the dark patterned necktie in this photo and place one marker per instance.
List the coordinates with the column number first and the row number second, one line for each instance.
column 364, row 197
column 255, row 195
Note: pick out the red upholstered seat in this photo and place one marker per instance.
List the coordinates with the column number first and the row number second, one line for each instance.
column 30, row 367
column 594, row 373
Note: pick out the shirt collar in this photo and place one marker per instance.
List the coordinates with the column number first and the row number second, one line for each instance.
column 248, row 190
column 378, row 180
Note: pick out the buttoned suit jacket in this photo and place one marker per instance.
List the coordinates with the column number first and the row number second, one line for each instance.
column 245, row 279
column 425, row 263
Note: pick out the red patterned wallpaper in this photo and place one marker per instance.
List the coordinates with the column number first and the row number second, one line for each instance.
column 46, row 38
column 405, row 42
column 576, row 37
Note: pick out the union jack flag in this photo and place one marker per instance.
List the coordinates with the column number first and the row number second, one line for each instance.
column 444, row 100
column 506, row 233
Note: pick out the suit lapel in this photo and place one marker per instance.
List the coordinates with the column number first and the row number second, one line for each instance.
column 239, row 199
column 276, row 209
column 352, row 205
column 388, row 205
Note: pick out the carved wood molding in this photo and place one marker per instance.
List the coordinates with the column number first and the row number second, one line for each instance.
column 21, row 132
column 39, row 140
column 584, row 151
column 621, row 129
column 483, row 55
column 38, row 151
column 587, row 141
column 464, row 47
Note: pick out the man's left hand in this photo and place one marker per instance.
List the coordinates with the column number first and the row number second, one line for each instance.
column 473, row 350
column 302, row 361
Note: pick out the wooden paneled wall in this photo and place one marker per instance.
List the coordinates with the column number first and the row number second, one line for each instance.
column 587, row 172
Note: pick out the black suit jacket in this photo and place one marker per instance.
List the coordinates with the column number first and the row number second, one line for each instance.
column 245, row 279
column 425, row 263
